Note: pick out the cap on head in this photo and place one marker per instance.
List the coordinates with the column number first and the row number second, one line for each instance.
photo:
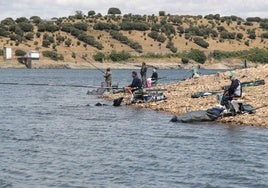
column 154, row 70
column 232, row 74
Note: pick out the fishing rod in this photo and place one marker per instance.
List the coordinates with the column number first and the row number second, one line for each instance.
column 57, row 85
column 84, row 58
column 96, row 67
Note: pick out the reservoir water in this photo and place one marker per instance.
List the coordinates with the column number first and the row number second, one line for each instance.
column 56, row 137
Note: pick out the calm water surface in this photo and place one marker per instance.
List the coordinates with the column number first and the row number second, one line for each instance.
column 56, row 137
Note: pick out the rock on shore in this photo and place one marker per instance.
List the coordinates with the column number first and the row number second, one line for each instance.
column 179, row 94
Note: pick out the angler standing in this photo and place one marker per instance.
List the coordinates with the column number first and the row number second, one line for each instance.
column 108, row 79
column 143, row 74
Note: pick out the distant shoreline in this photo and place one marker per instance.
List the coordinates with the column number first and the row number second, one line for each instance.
column 163, row 64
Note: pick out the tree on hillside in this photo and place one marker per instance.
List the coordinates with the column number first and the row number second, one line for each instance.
column 68, row 42
column 253, row 19
column 197, row 55
column 4, row 31
column 201, row 42
column 36, row 19
column 162, row 13
column 47, row 26
column 91, row 13
column 114, row 11
column 21, row 19
column 79, row 14
column 7, row 21
column 26, row 27
column 81, row 26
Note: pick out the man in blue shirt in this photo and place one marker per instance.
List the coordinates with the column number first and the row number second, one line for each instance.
column 135, row 85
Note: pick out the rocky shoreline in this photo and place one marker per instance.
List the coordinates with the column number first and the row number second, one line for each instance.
column 179, row 99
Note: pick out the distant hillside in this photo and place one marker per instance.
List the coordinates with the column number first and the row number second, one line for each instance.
column 96, row 37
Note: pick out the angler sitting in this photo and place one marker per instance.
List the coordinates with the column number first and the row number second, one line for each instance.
column 154, row 77
column 234, row 92
column 135, row 85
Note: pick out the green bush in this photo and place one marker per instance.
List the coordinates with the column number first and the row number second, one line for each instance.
column 221, row 29
column 197, row 55
column 187, row 36
column 119, row 56
column 105, row 26
column 38, row 35
column 201, row 42
column 253, row 19
column 156, row 27
column 67, row 27
column 47, row 26
column 46, row 43
column 248, row 24
column 36, row 19
column 53, row 55
column 153, row 34
column 126, row 25
column 90, row 40
column 8, row 21
column 239, row 35
column 171, row 46
column 185, row 60
column 99, row 56
column 168, row 29
column 68, row 42
column 114, row 10
column 123, row 39
column 73, row 55
column 4, row 31
column 22, row 20
column 14, row 37
column 161, row 38
column 91, row 13
column 29, row 36
column 173, row 49
column 20, row 53
column 162, row 13
column 264, row 35
column 156, row 36
column 227, row 35
column 60, row 38
column 81, row 26
column 252, row 34
column 255, row 55
column 26, row 27
column 79, row 14
column 264, row 24
column 180, row 29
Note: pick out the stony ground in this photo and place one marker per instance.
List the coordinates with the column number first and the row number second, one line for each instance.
column 179, row 96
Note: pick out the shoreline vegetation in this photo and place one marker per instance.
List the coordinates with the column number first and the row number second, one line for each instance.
column 179, row 99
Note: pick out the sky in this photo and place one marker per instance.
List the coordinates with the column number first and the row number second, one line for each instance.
column 47, row 9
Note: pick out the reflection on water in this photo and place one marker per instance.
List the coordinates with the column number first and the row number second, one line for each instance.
column 56, row 137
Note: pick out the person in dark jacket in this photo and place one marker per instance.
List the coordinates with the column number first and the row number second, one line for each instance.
column 233, row 92
column 154, row 76
column 135, row 85
column 143, row 74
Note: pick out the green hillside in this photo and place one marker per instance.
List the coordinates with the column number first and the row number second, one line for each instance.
column 116, row 37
